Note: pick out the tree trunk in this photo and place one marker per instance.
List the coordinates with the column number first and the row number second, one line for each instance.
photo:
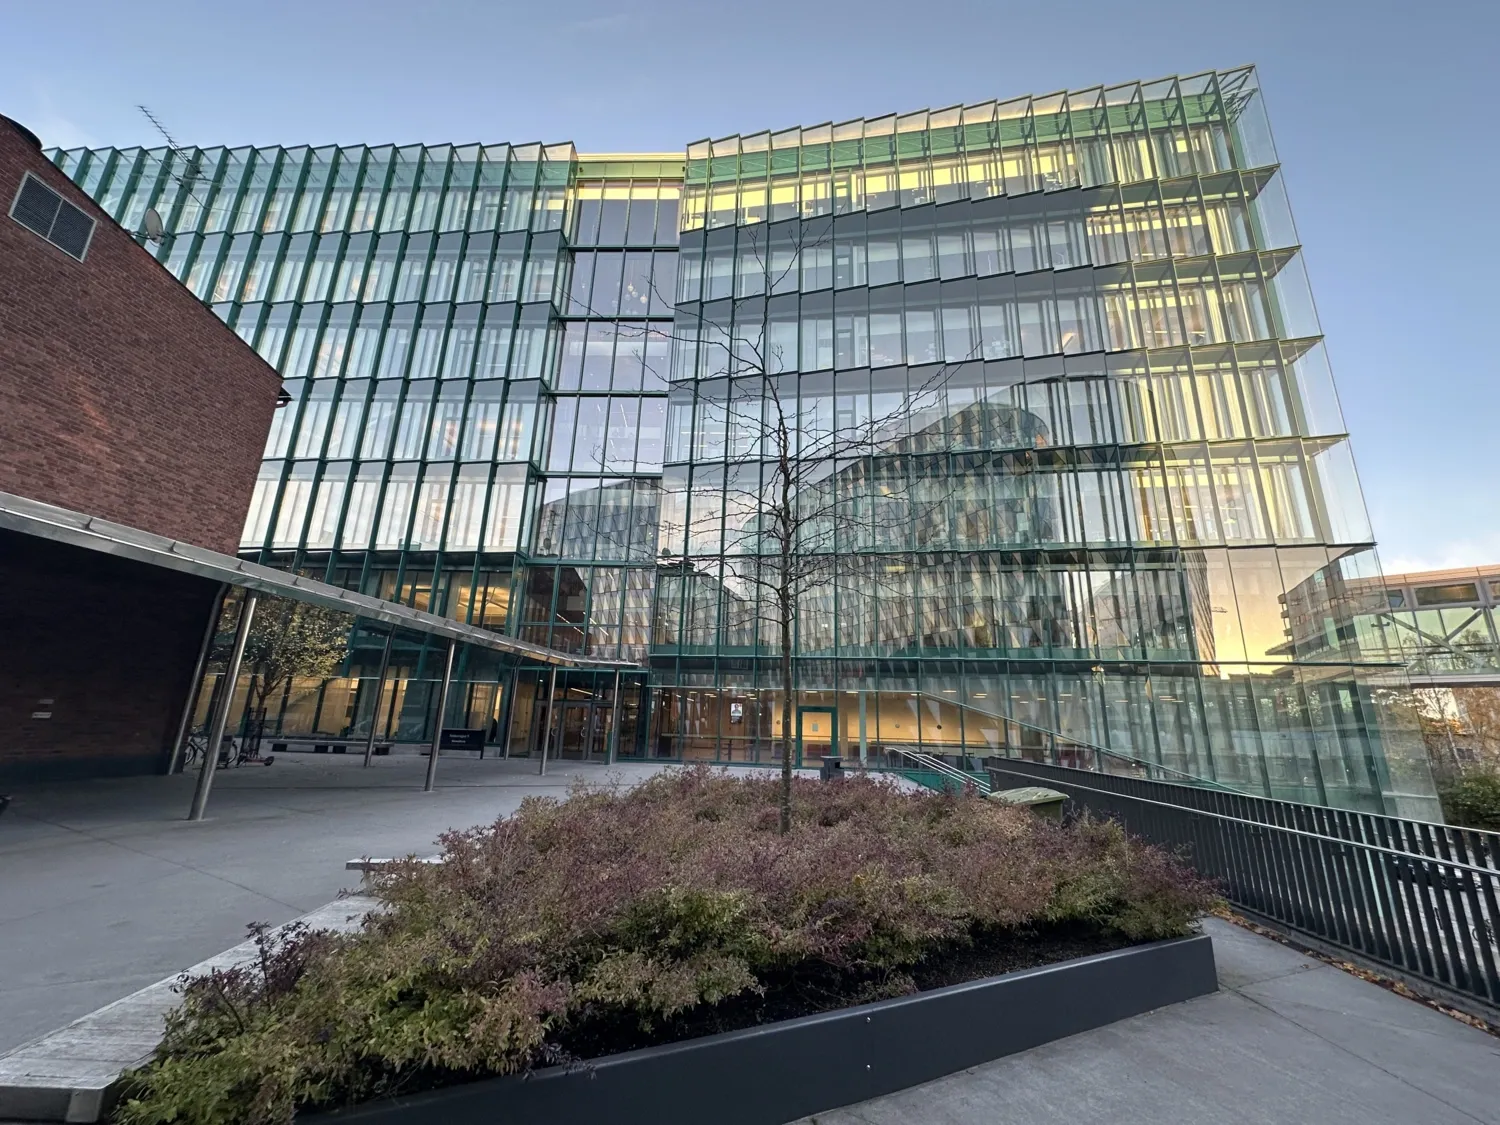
column 786, row 711
column 786, row 604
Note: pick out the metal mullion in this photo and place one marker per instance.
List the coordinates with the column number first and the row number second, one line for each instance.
column 440, row 551
column 1475, row 954
column 1308, row 904
column 1336, row 855
column 1407, row 921
column 237, row 193
column 301, row 548
column 1470, row 847
column 257, row 159
column 1337, row 875
column 1397, row 945
column 264, row 548
column 1316, row 898
column 158, row 182
column 117, row 165
column 171, row 215
column 1252, row 875
column 305, row 187
column 1357, row 873
column 336, row 552
column 451, row 181
column 1407, row 878
column 1458, row 974
column 1285, row 887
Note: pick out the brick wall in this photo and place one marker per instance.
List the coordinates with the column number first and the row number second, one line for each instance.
column 121, row 395
column 104, row 647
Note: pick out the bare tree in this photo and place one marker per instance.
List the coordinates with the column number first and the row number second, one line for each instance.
column 803, row 486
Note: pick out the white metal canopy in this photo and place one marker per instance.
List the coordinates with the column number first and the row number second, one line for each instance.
column 62, row 525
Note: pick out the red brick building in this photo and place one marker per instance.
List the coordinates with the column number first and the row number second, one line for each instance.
column 123, row 397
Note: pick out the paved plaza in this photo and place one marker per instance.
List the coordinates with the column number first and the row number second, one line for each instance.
column 105, row 888
column 1288, row 1040
column 117, row 892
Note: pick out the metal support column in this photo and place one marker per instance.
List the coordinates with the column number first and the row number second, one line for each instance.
column 614, row 723
column 510, row 709
column 385, row 664
column 864, row 741
column 437, row 719
column 195, row 685
column 547, row 726
column 221, row 713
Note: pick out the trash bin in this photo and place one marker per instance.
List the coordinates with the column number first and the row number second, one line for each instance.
column 1044, row 802
column 832, row 768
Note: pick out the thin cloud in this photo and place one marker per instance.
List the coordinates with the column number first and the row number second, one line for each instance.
column 599, row 24
column 59, row 131
column 52, row 125
column 1451, row 555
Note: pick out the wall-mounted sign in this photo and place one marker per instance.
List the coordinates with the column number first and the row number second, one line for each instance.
column 736, row 712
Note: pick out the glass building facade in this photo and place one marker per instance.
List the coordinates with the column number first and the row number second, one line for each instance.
column 522, row 382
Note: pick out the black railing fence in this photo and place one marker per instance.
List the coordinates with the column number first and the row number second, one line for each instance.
column 1420, row 898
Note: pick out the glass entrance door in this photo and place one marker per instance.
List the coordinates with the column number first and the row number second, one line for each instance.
column 583, row 731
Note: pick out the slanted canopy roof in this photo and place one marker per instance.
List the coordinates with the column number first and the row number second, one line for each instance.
column 61, row 525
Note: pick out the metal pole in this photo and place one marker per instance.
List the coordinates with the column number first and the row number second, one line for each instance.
column 437, row 720
column 195, row 685
column 864, row 741
column 509, row 710
column 547, row 726
column 385, row 663
column 614, row 723
column 221, row 715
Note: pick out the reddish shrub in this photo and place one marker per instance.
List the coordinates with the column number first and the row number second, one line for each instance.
column 646, row 903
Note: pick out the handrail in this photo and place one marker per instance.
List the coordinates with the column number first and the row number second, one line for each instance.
column 937, row 765
column 1418, row 898
column 1055, row 737
column 1438, row 860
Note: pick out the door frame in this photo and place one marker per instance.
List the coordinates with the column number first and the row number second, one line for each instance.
column 829, row 709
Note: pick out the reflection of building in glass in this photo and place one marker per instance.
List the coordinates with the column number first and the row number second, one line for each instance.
column 1442, row 625
column 526, row 379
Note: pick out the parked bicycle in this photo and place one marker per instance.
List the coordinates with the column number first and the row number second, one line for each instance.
column 230, row 756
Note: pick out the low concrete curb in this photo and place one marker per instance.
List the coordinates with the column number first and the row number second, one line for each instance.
column 372, row 864
column 69, row 1074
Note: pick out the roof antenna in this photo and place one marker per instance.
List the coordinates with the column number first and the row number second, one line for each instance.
column 189, row 175
column 190, row 171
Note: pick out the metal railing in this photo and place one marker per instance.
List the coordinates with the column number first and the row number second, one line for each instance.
column 1017, row 738
column 1422, row 899
column 909, row 759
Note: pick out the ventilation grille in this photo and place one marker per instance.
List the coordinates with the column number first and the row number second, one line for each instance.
column 38, row 208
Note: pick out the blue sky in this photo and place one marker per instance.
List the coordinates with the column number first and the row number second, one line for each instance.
column 1384, row 115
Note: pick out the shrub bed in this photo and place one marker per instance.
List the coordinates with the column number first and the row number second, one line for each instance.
column 617, row 919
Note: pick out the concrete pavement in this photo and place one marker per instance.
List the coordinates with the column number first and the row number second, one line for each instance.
column 1287, row 1040
column 105, row 888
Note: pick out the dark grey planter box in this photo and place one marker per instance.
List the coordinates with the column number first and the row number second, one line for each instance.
column 780, row 1072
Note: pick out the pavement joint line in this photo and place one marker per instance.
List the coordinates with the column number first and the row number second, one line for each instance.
column 71, row 1073
column 1316, row 1034
column 180, row 864
column 1366, row 973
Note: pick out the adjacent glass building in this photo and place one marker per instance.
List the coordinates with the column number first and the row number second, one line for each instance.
column 522, row 377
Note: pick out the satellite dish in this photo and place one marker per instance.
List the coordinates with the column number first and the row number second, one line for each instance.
column 154, row 228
